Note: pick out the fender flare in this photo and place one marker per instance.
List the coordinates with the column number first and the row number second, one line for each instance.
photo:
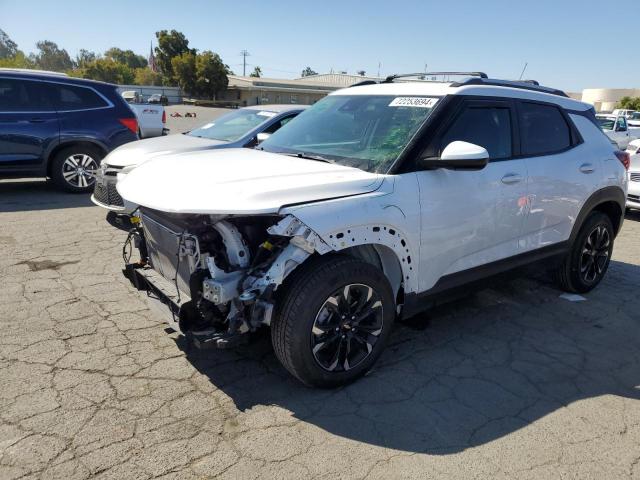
column 604, row 195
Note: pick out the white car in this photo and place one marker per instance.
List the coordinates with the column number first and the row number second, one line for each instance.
column 238, row 128
column 633, row 194
column 152, row 118
column 626, row 113
column 617, row 129
column 373, row 203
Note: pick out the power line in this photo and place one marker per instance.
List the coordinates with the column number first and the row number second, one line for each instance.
column 244, row 54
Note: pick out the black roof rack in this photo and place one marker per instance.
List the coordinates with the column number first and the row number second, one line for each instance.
column 522, row 84
column 391, row 78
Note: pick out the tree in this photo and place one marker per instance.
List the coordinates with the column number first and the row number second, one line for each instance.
column 106, row 70
column 84, row 57
column 170, row 45
column 19, row 60
column 308, row 71
column 629, row 103
column 50, row 57
column 257, row 72
column 132, row 60
column 211, row 74
column 146, row 76
column 8, row 48
column 184, row 71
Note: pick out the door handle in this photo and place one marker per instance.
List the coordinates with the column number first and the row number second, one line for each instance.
column 587, row 168
column 511, row 178
column 36, row 120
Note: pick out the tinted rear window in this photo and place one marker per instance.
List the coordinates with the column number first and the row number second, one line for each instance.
column 71, row 97
column 543, row 129
column 17, row 95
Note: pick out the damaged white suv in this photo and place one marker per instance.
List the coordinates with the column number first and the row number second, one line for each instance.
column 367, row 207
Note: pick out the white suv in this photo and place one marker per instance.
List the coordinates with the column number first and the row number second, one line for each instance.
column 366, row 208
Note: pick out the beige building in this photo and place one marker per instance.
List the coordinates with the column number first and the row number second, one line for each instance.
column 605, row 99
column 306, row 90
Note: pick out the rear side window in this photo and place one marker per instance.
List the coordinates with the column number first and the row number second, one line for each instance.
column 17, row 95
column 543, row 129
column 71, row 97
column 489, row 127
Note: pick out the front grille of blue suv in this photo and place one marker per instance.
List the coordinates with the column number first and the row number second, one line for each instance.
column 59, row 127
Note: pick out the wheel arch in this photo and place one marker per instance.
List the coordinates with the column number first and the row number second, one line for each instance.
column 608, row 200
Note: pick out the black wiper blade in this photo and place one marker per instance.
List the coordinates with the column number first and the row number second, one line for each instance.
column 309, row 156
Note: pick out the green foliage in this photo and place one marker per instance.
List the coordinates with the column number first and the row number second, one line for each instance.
column 84, row 57
column 257, row 72
column 106, row 70
column 8, row 48
column 308, row 71
column 19, row 60
column 203, row 74
column 146, row 76
column 629, row 103
column 132, row 60
column 184, row 71
column 170, row 45
column 51, row 57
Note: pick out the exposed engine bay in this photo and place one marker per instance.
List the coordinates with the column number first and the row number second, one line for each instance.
column 216, row 274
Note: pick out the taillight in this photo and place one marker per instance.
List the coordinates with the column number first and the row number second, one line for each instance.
column 624, row 158
column 164, row 116
column 130, row 123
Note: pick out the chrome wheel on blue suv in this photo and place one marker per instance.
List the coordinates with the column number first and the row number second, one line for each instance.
column 74, row 169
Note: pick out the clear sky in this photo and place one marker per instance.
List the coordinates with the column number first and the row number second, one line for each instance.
column 569, row 44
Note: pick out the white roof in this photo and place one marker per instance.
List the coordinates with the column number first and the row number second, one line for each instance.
column 440, row 89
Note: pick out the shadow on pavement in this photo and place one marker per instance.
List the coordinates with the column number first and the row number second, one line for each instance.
column 37, row 194
column 632, row 215
column 484, row 367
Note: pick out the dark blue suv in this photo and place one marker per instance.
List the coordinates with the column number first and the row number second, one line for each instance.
column 60, row 127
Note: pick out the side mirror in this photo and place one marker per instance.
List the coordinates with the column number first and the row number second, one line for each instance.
column 460, row 155
column 262, row 136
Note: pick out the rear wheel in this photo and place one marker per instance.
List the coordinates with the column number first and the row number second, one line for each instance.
column 74, row 168
column 334, row 321
column 587, row 262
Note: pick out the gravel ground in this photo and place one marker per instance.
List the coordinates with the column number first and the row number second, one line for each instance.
column 511, row 382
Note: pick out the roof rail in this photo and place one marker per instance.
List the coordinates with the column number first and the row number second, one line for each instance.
column 391, row 78
column 32, row 70
column 522, row 84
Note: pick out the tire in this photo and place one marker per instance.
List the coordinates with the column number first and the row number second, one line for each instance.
column 586, row 263
column 73, row 168
column 313, row 324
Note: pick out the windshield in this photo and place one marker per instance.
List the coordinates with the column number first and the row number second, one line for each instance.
column 606, row 123
column 362, row 131
column 635, row 116
column 232, row 126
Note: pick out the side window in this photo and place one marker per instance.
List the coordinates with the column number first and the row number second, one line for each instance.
column 71, row 97
column 489, row 127
column 23, row 96
column 621, row 125
column 543, row 129
column 277, row 125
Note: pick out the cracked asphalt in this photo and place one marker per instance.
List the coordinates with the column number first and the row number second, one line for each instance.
column 510, row 382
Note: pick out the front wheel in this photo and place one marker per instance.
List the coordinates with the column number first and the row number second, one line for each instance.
column 586, row 263
column 334, row 321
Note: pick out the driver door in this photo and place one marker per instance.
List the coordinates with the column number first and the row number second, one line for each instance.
column 472, row 218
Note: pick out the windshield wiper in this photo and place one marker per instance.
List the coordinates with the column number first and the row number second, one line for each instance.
column 308, row 156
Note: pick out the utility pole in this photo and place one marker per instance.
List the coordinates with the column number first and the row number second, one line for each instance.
column 244, row 54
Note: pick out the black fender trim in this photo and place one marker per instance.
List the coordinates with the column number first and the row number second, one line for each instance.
column 71, row 141
column 604, row 195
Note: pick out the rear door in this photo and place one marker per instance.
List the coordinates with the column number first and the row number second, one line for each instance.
column 562, row 173
column 28, row 124
column 471, row 218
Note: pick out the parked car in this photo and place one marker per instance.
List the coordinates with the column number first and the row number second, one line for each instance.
column 634, row 119
column 158, row 98
column 616, row 128
column 374, row 202
column 626, row 113
column 60, row 127
column 633, row 193
column 152, row 118
column 239, row 128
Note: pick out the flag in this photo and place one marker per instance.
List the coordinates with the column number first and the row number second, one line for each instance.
column 152, row 60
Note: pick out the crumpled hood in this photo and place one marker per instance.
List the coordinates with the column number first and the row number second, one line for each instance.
column 239, row 181
column 135, row 153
